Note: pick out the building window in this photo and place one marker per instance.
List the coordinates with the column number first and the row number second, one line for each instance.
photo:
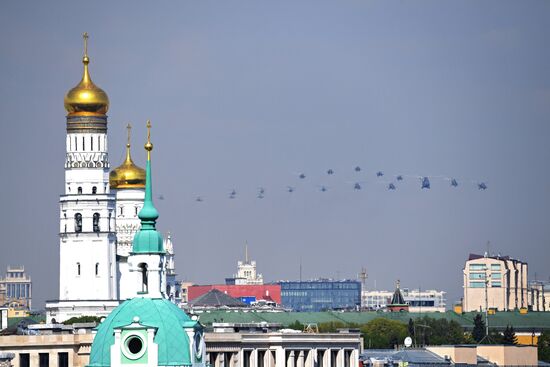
column 496, row 284
column 477, row 284
column 79, row 190
column 496, row 276
column 94, row 190
column 96, row 269
column 24, row 360
column 43, row 359
column 144, row 281
column 477, row 267
column 78, row 269
column 495, row 267
column 75, row 144
column 62, row 359
column 91, row 143
column 83, row 144
column 78, row 222
column 477, row 275
column 121, row 210
column 96, row 222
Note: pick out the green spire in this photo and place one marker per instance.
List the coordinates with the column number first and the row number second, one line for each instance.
column 148, row 240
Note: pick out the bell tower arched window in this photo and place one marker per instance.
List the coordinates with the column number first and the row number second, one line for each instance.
column 78, row 222
column 94, row 190
column 96, row 222
column 96, row 269
column 144, row 281
column 79, row 190
column 77, row 268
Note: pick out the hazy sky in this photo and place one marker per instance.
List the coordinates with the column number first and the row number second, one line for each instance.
column 244, row 94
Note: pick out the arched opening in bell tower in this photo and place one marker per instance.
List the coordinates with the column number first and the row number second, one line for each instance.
column 144, row 280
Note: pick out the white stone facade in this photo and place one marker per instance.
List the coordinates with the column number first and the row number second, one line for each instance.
column 87, row 223
column 499, row 282
column 418, row 301
column 128, row 204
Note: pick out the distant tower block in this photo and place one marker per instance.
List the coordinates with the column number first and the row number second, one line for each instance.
column 246, row 272
column 363, row 278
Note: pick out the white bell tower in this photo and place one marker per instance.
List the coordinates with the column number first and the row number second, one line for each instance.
column 87, row 267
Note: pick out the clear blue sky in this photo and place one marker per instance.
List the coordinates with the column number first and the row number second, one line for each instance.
column 244, row 94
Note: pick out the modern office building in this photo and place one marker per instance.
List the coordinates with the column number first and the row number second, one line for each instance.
column 496, row 282
column 16, row 288
column 418, row 300
column 321, row 294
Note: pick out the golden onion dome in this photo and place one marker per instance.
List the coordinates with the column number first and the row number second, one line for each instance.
column 86, row 97
column 127, row 175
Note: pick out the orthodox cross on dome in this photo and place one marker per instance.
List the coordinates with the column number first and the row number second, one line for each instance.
column 148, row 145
column 85, row 37
column 129, row 128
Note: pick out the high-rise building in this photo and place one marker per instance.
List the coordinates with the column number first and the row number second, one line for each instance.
column 246, row 272
column 16, row 288
column 495, row 282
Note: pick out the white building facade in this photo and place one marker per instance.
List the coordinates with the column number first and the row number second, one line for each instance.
column 246, row 272
column 418, row 300
column 495, row 282
column 87, row 246
column 98, row 213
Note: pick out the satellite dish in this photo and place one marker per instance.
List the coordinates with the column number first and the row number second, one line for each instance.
column 408, row 342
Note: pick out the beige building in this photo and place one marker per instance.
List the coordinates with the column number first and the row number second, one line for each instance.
column 227, row 346
column 539, row 295
column 499, row 282
column 501, row 355
column 246, row 272
column 16, row 288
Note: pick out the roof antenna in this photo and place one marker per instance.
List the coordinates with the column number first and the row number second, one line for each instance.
column 300, row 269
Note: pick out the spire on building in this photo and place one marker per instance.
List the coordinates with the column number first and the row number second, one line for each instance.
column 148, row 239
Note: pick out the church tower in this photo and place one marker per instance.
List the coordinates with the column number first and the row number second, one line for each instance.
column 148, row 257
column 128, row 183
column 87, row 268
column 148, row 329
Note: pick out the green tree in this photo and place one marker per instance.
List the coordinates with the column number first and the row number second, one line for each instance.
column 509, row 336
column 433, row 331
column 331, row 327
column 411, row 328
column 296, row 325
column 479, row 328
column 383, row 333
column 544, row 346
column 74, row 320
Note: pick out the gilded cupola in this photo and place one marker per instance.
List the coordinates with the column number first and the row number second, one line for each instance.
column 127, row 175
column 86, row 98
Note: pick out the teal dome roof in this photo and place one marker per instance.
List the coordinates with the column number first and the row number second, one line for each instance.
column 171, row 338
